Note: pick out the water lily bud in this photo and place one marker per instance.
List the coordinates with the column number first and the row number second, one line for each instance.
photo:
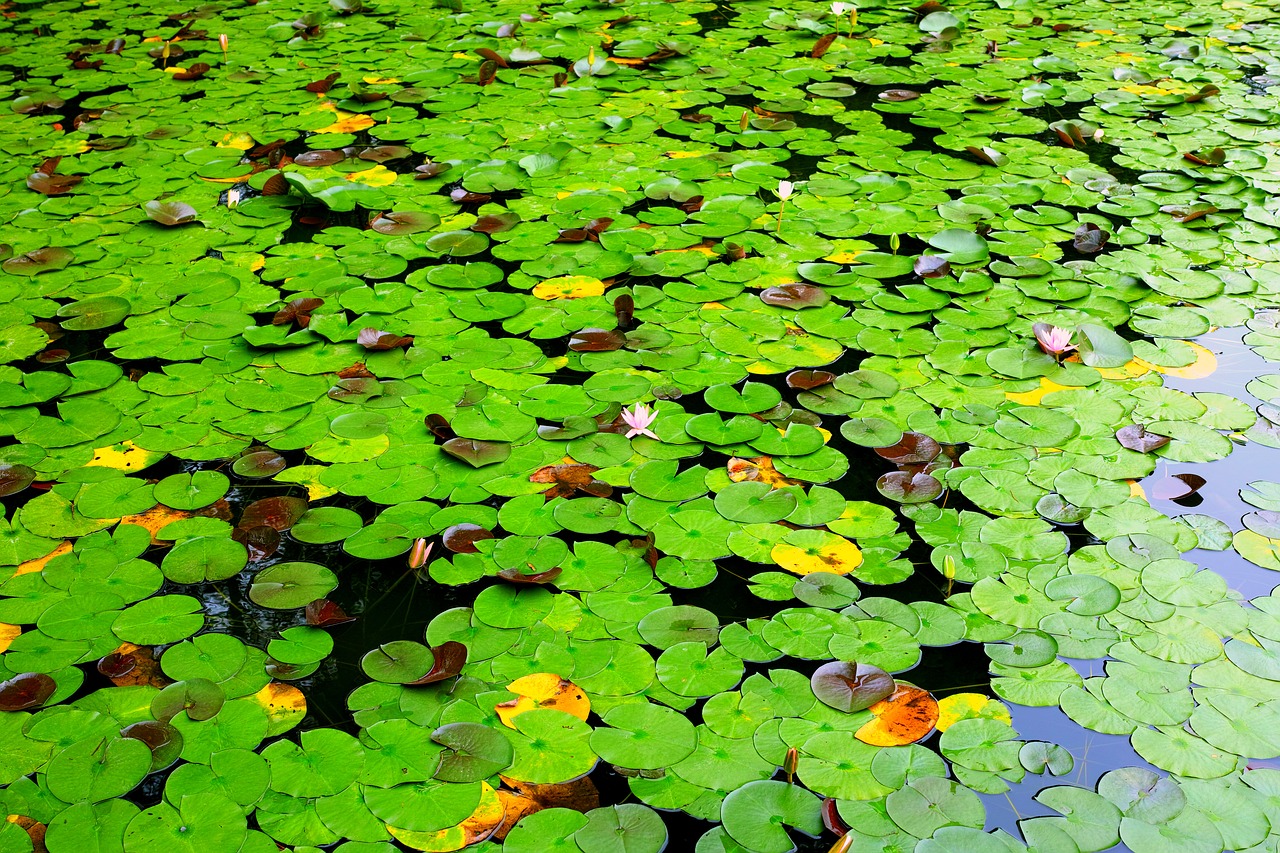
column 789, row 764
column 419, row 553
column 844, row 845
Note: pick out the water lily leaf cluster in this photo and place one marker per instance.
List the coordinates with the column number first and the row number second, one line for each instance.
column 694, row 358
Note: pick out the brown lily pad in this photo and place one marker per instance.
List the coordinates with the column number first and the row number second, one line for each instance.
column 323, row 613
column 49, row 184
column 849, row 686
column 28, row 690
column 260, row 541
column 517, row 576
column 376, row 341
column 450, row 658
column 298, row 309
column 807, row 380
column 313, row 159
column 462, row 538
column 279, row 513
column 932, row 266
column 914, row 448
column 596, row 340
column 1136, row 437
column 1089, row 239
column 477, row 453
column 15, row 478
column 48, row 259
column 171, row 213
column 795, row 296
column 1177, row 487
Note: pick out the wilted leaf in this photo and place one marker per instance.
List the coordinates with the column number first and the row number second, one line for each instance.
column 795, row 296
column 298, row 309
column 170, row 213
column 517, row 576
column 461, row 538
column 909, row 488
column 849, row 686
column 49, row 184
column 194, row 71
column 1136, row 437
column 596, row 340
column 1188, row 212
column 278, row 513
column 807, row 380
column 323, row 613
column 376, row 341
column 15, row 478
column 314, row 159
column 449, row 657
column 48, row 259
column 27, row 690
column 543, row 690
column 1206, row 156
column 907, row 716
column 1089, row 239
column 932, row 266
column 914, row 448
column 822, row 45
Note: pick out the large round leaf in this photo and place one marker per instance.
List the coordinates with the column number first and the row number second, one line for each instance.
column 288, row 585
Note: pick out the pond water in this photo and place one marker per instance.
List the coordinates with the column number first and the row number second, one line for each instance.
column 638, row 426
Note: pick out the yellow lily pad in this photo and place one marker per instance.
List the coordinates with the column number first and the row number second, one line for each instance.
column 569, row 287
column 807, row 551
column 544, row 690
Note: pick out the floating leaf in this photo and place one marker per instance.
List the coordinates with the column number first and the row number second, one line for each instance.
column 1136, row 437
column 28, row 690
column 448, row 659
column 473, row 752
column 15, row 478
column 908, row 715
column 909, row 488
column 851, row 686
column 285, row 586
column 171, row 213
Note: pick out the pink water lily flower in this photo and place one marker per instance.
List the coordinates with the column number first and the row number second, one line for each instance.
column 1054, row 340
column 639, row 420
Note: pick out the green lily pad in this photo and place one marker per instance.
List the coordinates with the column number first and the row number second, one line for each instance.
column 285, row 586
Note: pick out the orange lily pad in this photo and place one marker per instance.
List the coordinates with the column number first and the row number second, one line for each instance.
column 544, row 690
column 908, row 715
column 40, row 562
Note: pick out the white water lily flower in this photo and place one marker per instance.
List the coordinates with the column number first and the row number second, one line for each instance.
column 785, row 190
column 842, row 8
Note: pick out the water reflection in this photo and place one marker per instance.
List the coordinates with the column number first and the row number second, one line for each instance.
column 1220, row 497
